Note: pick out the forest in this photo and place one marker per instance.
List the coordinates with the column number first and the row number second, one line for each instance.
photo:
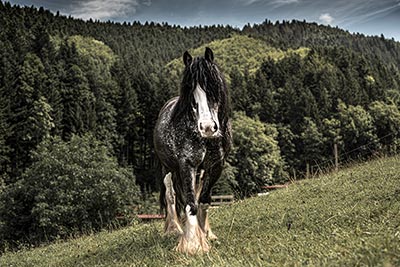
column 79, row 100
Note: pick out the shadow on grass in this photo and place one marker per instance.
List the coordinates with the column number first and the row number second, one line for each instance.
column 143, row 246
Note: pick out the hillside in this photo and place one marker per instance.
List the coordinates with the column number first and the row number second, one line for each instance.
column 244, row 53
column 347, row 218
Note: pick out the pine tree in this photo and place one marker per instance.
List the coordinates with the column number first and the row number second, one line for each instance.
column 77, row 101
column 4, row 134
column 26, row 107
column 239, row 95
column 310, row 143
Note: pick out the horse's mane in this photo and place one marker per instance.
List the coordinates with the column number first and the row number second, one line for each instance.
column 208, row 76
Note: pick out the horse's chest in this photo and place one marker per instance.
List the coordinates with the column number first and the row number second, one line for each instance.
column 199, row 152
column 213, row 155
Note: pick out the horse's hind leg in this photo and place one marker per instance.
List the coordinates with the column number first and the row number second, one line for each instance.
column 172, row 225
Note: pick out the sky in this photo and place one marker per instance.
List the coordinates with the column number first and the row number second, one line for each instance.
column 370, row 17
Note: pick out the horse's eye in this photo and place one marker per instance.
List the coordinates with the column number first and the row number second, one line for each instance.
column 195, row 106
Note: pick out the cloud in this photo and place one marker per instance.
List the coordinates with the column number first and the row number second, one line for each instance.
column 146, row 2
column 326, row 18
column 273, row 2
column 249, row 2
column 284, row 2
column 105, row 9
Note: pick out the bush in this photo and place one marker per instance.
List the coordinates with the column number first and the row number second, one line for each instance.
column 256, row 156
column 357, row 130
column 386, row 118
column 71, row 187
column 227, row 184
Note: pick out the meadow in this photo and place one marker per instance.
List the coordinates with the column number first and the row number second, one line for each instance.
column 347, row 218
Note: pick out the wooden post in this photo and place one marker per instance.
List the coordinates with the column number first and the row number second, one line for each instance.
column 335, row 151
column 307, row 170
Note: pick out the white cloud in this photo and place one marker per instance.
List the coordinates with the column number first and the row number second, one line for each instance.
column 285, row 2
column 326, row 18
column 146, row 2
column 104, row 9
column 273, row 2
column 249, row 2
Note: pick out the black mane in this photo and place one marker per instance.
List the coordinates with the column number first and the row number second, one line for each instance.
column 205, row 73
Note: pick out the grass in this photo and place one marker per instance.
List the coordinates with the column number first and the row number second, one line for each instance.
column 349, row 218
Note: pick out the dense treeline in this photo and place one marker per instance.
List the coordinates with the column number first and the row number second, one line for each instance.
column 295, row 34
column 332, row 95
column 70, row 89
column 142, row 51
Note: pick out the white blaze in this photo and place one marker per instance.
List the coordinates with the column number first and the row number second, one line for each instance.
column 200, row 98
column 206, row 117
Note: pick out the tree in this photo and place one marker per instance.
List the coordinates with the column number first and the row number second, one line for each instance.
column 239, row 95
column 71, row 187
column 128, row 115
column 286, row 141
column 4, row 134
column 310, row 143
column 30, row 113
column 78, row 101
column 256, row 155
column 386, row 118
column 357, row 130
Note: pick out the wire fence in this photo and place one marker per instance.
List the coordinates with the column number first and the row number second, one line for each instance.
column 349, row 157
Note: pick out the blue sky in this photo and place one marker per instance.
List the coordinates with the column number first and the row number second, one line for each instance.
column 364, row 16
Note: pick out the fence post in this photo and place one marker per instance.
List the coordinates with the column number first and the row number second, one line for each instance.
column 335, row 151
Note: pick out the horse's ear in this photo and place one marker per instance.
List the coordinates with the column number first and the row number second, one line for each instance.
column 209, row 55
column 187, row 58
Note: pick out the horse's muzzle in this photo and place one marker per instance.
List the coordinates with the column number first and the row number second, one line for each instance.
column 208, row 129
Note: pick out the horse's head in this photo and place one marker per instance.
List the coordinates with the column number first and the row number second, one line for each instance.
column 204, row 88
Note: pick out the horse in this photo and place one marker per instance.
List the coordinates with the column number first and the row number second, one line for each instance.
column 192, row 138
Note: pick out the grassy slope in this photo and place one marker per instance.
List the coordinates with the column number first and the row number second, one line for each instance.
column 346, row 219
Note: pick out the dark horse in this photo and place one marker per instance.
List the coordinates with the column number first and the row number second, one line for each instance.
column 192, row 138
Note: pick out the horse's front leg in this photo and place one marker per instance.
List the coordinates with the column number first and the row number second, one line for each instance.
column 210, row 178
column 193, row 240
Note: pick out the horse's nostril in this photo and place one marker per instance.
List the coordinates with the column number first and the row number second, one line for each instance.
column 208, row 128
column 215, row 127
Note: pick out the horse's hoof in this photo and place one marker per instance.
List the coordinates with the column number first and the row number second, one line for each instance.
column 173, row 229
column 192, row 248
column 193, row 241
column 211, row 236
column 175, row 232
